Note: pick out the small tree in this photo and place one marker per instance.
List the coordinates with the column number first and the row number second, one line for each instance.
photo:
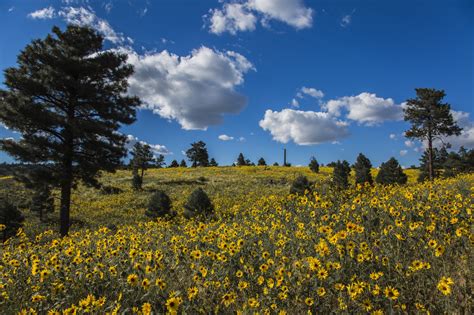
column 261, row 162
column 391, row 173
column 430, row 120
column 276, row 164
column 341, row 174
column 159, row 205
column 174, row 163
column 241, row 160
column 11, row 219
column 142, row 157
column 198, row 155
column 183, row 164
column 438, row 159
column 42, row 202
column 136, row 180
column 362, row 169
column 160, row 161
column 314, row 165
column 213, row 162
column 300, row 186
column 197, row 204
column 249, row 163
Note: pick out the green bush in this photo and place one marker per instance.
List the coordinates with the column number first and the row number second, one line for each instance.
column 300, row 186
column 159, row 205
column 11, row 219
column 314, row 165
column 197, row 204
column 391, row 173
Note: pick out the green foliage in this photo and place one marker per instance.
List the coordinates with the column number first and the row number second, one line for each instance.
column 137, row 180
column 261, row 162
column 183, row 164
column 160, row 161
column 142, row 157
column 391, row 173
column 67, row 98
column 241, row 160
column 213, row 162
column 159, row 205
column 430, row 119
column 174, row 163
column 314, row 165
column 10, row 217
column 446, row 164
column 42, row 202
column 341, row 174
column 300, row 186
column 362, row 169
column 198, row 204
column 197, row 154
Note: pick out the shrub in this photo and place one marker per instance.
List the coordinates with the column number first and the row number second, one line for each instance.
column 391, row 173
column 42, row 202
column 362, row 169
column 262, row 162
column 300, row 186
column 110, row 190
column 341, row 174
column 159, row 205
column 11, row 219
column 314, row 165
column 198, row 203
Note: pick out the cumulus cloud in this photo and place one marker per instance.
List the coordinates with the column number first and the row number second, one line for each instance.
column 43, row 14
column 295, row 103
column 241, row 139
column 393, row 136
column 403, row 152
column 365, row 108
column 196, row 90
column 242, row 15
column 466, row 138
column 312, row 92
column 157, row 149
column 409, row 143
column 303, row 127
column 225, row 138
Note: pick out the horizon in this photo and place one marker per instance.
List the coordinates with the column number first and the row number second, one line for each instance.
column 226, row 72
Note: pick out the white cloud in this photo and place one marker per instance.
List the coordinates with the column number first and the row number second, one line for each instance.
column 403, row 152
column 241, row 139
column 196, row 90
column 295, row 103
column 466, row 138
column 346, row 20
column 233, row 18
column 393, row 136
column 310, row 92
column 225, row 138
column 303, row 127
column 365, row 108
column 242, row 15
column 43, row 14
column 157, row 149
column 11, row 9
column 409, row 143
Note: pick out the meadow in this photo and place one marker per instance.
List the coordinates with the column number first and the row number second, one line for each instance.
column 373, row 249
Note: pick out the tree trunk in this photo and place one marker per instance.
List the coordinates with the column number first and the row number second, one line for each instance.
column 430, row 158
column 66, row 198
column 143, row 171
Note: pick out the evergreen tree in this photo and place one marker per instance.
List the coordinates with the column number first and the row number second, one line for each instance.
column 159, row 205
column 261, row 162
column 67, row 98
column 183, row 164
column 430, row 120
column 362, row 169
column 198, row 203
column 249, row 163
column 241, row 160
column 174, row 163
column 142, row 157
column 276, row 164
column 136, row 179
column 42, row 202
column 314, row 165
column 391, row 173
column 11, row 219
column 160, row 161
column 197, row 154
column 213, row 162
column 438, row 159
column 341, row 173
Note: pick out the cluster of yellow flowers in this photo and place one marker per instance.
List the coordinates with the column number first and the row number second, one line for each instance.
column 365, row 250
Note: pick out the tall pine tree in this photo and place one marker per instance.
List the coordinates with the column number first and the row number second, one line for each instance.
column 430, row 120
column 362, row 169
column 198, row 154
column 67, row 99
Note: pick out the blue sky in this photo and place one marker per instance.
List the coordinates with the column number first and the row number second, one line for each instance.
column 322, row 78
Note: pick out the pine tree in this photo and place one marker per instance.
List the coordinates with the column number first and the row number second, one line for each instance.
column 438, row 159
column 276, row 164
column 174, row 163
column 314, row 165
column 261, row 162
column 341, row 173
column 11, row 219
column 42, row 202
column 198, row 155
column 362, row 169
column 159, row 205
column 160, row 161
column 67, row 98
column 300, row 186
column 391, row 173
column 137, row 180
column 183, row 164
column 197, row 204
column 213, row 163
column 142, row 157
column 431, row 119
column 241, row 160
